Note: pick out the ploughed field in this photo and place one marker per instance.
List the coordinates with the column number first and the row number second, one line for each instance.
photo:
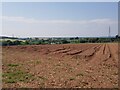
column 60, row 66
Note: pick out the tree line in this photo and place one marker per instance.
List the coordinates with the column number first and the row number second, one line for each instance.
column 37, row 41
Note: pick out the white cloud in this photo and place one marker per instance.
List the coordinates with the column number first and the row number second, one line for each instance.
column 19, row 19
column 103, row 21
column 34, row 21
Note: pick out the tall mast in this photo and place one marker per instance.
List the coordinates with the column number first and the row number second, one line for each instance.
column 109, row 32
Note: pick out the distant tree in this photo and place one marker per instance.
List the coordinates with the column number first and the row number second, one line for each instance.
column 76, row 37
column 71, row 38
column 49, row 40
column 65, row 41
column 36, row 39
column 16, row 42
column 39, row 42
column 7, row 43
column 117, row 36
column 4, row 43
column 26, row 42
column 42, row 41
column 82, row 41
column 92, row 40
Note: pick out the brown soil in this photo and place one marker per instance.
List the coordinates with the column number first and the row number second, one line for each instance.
column 63, row 66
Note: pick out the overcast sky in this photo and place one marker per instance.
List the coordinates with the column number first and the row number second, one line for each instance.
column 88, row 19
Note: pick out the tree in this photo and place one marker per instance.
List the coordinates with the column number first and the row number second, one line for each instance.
column 71, row 38
column 7, row 43
column 93, row 40
column 82, row 41
column 76, row 37
column 117, row 36
column 26, row 42
column 36, row 39
column 65, row 42
column 16, row 42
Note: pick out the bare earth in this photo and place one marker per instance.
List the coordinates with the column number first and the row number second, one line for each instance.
column 61, row 66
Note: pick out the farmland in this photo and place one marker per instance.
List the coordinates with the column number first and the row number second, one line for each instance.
column 61, row 66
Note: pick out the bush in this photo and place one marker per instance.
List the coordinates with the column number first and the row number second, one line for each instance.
column 65, row 42
column 7, row 43
column 17, row 42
